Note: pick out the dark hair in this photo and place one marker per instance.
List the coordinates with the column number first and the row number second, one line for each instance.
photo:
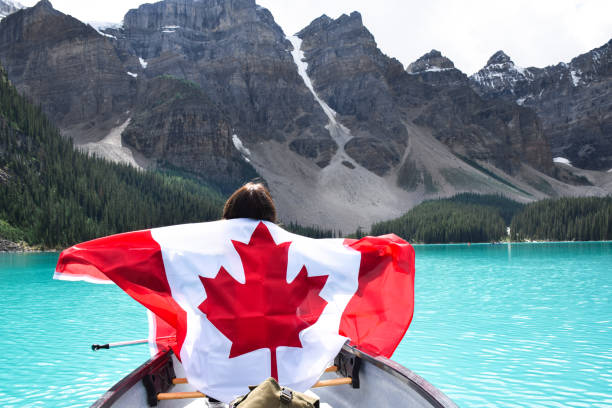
column 253, row 200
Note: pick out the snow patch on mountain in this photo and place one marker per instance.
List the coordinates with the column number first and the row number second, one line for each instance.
column 562, row 160
column 9, row 7
column 103, row 25
column 575, row 77
column 432, row 69
column 338, row 132
column 100, row 26
column 170, row 28
column 246, row 153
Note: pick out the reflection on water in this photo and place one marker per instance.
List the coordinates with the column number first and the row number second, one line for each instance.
column 526, row 325
column 521, row 325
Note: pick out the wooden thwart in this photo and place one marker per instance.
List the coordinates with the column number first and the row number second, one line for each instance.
column 333, row 381
column 196, row 394
column 179, row 395
column 331, row 369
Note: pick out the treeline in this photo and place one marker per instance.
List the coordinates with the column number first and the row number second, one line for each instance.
column 463, row 218
column 565, row 219
column 312, row 232
column 483, row 218
column 507, row 208
column 55, row 196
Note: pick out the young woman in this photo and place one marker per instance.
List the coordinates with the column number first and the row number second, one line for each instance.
column 253, row 200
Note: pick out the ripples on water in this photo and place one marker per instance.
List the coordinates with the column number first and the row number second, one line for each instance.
column 527, row 325
column 46, row 331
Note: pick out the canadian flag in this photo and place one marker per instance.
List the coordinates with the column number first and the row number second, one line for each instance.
column 249, row 300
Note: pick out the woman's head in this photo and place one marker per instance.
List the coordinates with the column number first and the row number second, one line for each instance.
column 252, row 200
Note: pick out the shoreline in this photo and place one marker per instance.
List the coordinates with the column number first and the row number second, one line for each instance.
column 10, row 247
column 7, row 246
column 508, row 242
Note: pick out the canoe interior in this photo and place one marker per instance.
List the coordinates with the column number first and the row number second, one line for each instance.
column 382, row 383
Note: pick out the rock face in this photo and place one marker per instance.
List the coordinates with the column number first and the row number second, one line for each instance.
column 75, row 73
column 177, row 124
column 356, row 80
column 377, row 97
column 573, row 101
column 493, row 131
column 90, row 81
column 239, row 57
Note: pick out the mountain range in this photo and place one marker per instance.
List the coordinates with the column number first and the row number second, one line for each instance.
column 343, row 134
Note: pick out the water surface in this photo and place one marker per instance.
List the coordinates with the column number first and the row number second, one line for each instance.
column 522, row 325
column 46, row 331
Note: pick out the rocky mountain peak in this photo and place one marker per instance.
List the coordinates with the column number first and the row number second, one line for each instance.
column 499, row 57
column 501, row 75
column 432, row 61
column 350, row 25
column 198, row 15
column 571, row 100
column 353, row 18
column 42, row 10
column 323, row 22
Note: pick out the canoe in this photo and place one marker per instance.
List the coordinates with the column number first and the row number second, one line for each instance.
column 366, row 381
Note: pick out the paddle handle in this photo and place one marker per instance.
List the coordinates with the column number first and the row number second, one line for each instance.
column 95, row 347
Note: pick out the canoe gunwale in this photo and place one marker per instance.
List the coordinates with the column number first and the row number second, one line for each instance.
column 415, row 382
column 428, row 391
column 152, row 365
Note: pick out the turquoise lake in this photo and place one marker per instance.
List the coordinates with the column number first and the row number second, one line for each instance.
column 521, row 325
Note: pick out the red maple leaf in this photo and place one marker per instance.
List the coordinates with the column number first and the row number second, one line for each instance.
column 265, row 311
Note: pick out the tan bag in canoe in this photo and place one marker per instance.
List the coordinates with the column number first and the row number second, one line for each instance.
column 269, row 394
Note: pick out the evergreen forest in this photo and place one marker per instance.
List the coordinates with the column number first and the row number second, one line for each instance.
column 53, row 196
column 465, row 217
column 471, row 217
column 565, row 219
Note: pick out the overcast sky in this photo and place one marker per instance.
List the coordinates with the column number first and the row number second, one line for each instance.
column 532, row 32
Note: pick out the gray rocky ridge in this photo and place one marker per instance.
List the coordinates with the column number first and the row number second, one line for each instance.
column 573, row 102
column 73, row 72
column 376, row 97
column 343, row 134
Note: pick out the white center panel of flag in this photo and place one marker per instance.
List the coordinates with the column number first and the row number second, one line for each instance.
column 194, row 250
